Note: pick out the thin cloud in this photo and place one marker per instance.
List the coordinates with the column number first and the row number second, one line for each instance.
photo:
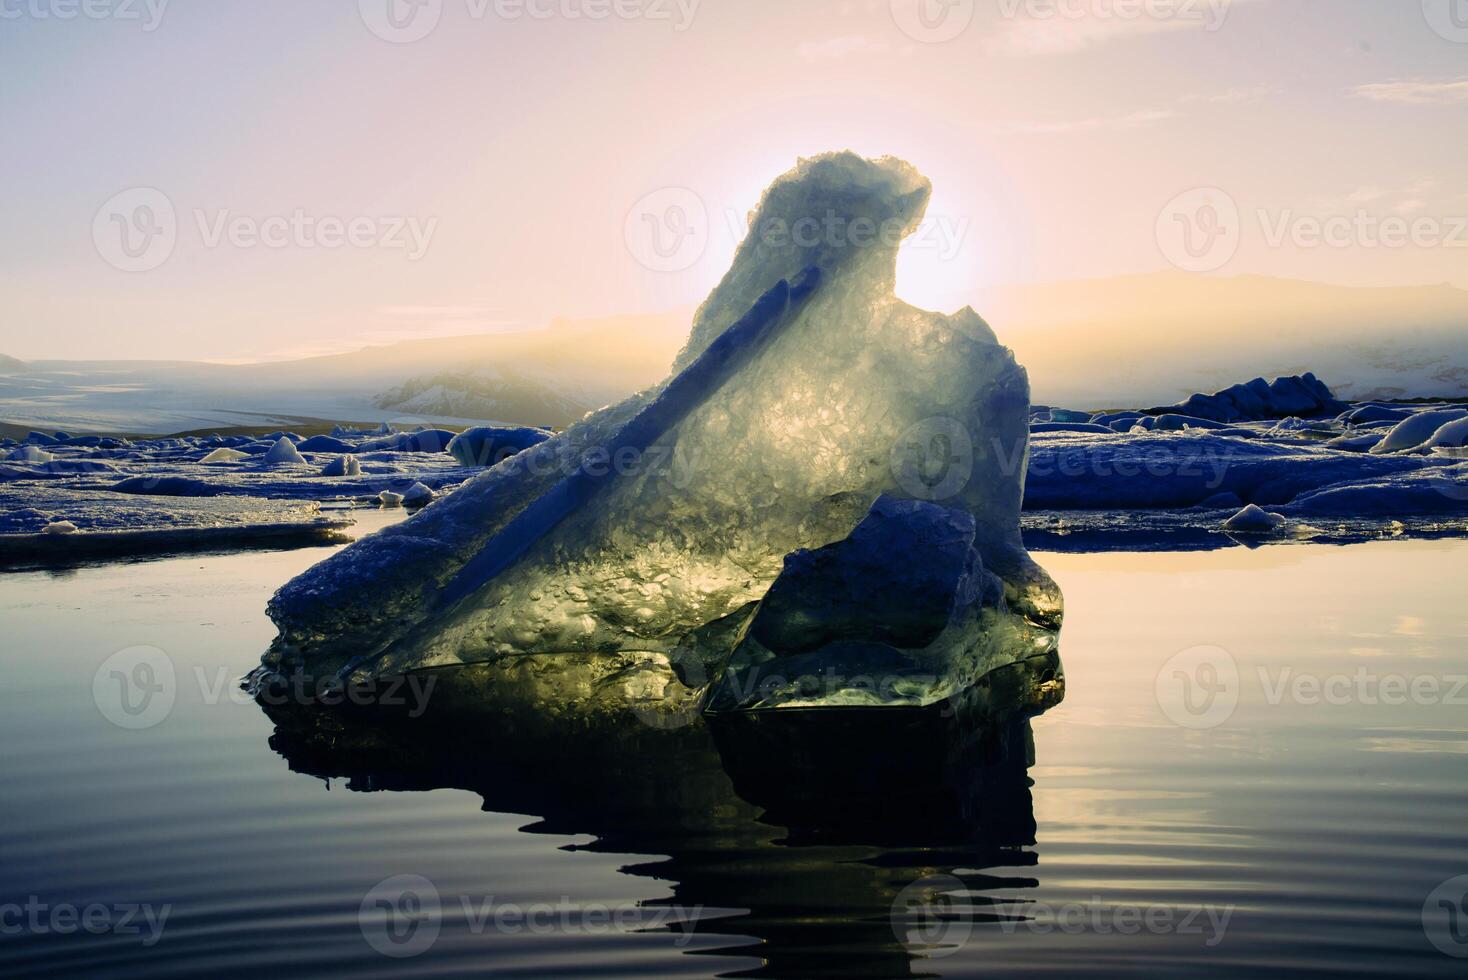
column 1404, row 92
column 1232, row 97
column 1094, row 124
column 1037, row 28
column 1416, row 196
column 434, row 312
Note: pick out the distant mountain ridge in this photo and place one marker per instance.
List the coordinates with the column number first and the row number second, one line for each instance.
column 487, row 394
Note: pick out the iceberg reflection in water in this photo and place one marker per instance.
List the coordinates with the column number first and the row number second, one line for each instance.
column 833, row 842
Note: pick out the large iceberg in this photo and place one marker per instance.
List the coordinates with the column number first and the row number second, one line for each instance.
column 809, row 403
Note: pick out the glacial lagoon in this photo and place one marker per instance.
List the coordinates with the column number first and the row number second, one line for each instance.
column 1259, row 758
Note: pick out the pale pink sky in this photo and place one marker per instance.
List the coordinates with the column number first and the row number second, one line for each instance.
column 329, row 178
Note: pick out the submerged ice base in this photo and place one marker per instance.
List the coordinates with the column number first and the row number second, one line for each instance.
column 807, row 391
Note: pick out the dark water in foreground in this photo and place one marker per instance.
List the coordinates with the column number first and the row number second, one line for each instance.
column 1294, row 817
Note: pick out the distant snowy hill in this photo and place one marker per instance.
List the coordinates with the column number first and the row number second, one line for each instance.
column 488, row 393
column 546, row 377
column 1123, row 342
column 1155, row 339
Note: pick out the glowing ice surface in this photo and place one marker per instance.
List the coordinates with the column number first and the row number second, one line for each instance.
column 806, row 391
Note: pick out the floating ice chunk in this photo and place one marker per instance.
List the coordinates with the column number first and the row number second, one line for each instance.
column 806, row 391
column 421, row 441
column 1113, row 419
column 1177, row 423
column 342, row 466
column 1367, row 414
column 1354, row 443
column 1147, row 471
column 844, row 624
column 30, row 454
column 225, row 455
column 168, row 486
column 1412, row 433
column 284, row 451
column 324, row 444
column 1452, row 435
column 488, row 445
column 417, row 495
column 851, row 589
column 1254, row 520
column 1295, row 428
column 1301, row 395
column 1435, row 487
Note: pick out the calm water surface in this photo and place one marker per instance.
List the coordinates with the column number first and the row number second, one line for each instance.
column 1261, row 763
